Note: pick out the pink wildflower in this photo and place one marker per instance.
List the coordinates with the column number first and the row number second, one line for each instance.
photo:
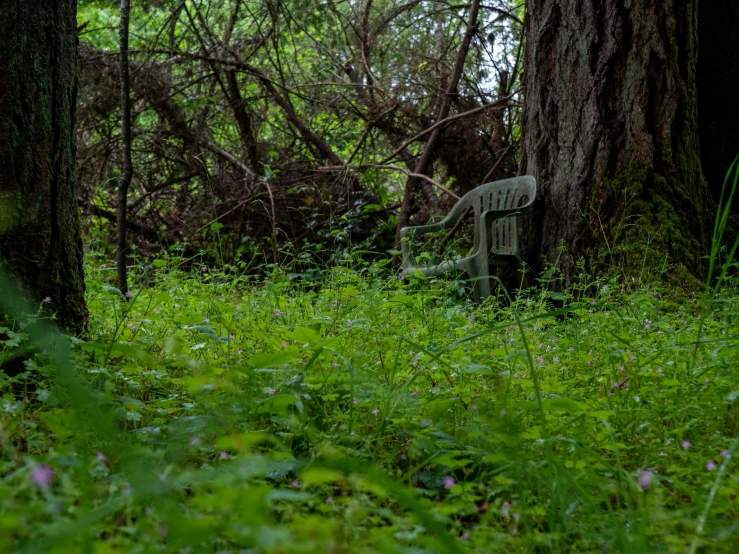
column 223, row 455
column 296, row 483
column 710, row 465
column 725, row 454
column 41, row 476
column 449, row 482
column 645, row 478
column 685, row 444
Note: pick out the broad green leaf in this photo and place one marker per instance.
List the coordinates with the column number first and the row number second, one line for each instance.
column 274, row 358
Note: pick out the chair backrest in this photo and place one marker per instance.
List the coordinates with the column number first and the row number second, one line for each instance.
column 508, row 194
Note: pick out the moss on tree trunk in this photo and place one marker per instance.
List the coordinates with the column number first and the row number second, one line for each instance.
column 40, row 244
column 611, row 134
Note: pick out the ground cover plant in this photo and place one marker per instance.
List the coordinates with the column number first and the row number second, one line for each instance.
column 219, row 413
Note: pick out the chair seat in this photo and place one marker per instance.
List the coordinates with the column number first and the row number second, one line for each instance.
column 502, row 260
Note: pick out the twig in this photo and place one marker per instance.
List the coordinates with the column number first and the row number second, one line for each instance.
column 237, row 206
column 500, row 160
column 444, row 121
column 394, row 168
column 230, row 157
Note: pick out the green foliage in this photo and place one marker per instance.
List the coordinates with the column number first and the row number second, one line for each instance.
column 214, row 413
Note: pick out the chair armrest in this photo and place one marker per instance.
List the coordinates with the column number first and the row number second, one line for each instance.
column 423, row 229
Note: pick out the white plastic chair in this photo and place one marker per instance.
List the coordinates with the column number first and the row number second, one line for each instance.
column 495, row 206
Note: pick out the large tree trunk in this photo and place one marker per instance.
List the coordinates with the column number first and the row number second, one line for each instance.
column 611, row 135
column 718, row 88
column 40, row 243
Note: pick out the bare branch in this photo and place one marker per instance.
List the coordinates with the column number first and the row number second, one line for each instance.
column 394, row 168
column 497, row 103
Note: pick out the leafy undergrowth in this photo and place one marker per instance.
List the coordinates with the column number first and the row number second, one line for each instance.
column 215, row 414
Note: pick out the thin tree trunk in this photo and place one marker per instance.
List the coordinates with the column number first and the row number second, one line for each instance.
column 422, row 166
column 611, row 135
column 127, row 169
column 243, row 119
column 237, row 103
column 40, row 245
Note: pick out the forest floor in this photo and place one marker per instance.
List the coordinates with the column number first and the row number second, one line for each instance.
column 214, row 413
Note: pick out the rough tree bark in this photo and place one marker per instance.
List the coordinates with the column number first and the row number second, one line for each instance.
column 127, row 169
column 40, row 244
column 611, row 135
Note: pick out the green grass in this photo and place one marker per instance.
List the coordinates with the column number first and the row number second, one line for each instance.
column 217, row 414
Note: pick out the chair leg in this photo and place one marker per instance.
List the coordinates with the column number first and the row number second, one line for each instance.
column 481, row 284
column 484, row 281
column 476, row 290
